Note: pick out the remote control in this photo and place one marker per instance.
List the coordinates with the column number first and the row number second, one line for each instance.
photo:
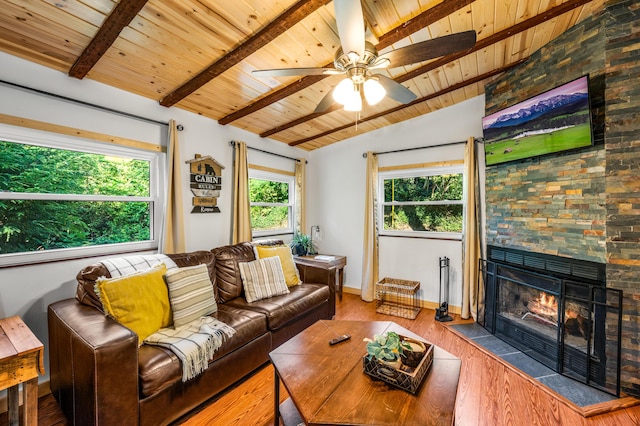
column 339, row 339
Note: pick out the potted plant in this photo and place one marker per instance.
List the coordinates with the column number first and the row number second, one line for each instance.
column 301, row 244
column 387, row 348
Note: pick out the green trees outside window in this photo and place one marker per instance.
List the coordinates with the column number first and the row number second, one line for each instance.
column 270, row 205
column 55, row 198
column 423, row 203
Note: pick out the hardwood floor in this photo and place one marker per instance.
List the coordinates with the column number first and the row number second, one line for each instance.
column 489, row 393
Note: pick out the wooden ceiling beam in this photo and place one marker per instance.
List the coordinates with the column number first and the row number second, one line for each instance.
column 449, row 89
column 271, row 31
column 423, row 20
column 482, row 44
column 107, row 34
column 403, row 30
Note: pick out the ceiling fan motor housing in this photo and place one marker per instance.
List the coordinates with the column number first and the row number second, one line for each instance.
column 344, row 63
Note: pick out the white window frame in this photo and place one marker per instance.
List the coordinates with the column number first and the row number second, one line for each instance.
column 58, row 141
column 417, row 172
column 276, row 177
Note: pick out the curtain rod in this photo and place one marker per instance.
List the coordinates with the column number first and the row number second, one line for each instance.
column 364, row 155
column 233, row 143
column 65, row 98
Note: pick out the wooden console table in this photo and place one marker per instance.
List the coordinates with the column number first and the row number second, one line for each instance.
column 339, row 263
column 21, row 359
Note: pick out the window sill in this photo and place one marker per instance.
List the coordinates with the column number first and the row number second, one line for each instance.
column 36, row 258
column 446, row 236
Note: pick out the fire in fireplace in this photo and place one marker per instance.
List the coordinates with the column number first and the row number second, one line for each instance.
column 556, row 310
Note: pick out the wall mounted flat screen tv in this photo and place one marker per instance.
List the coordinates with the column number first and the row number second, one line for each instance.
column 554, row 121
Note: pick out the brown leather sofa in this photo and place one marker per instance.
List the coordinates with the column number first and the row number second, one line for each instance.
column 100, row 376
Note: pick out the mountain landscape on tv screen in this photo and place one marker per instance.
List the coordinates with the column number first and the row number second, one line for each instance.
column 550, row 113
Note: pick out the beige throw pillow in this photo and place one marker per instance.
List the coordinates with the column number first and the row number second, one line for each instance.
column 262, row 278
column 190, row 293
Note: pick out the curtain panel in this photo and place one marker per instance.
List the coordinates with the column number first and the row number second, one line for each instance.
column 301, row 196
column 172, row 239
column 370, row 241
column 472, row 293
column 241, row 229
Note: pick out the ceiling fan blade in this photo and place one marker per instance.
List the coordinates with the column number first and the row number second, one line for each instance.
column 430, row 49
column 396, row 90
column 350, row 23
column 326, row 102
column 285, row 72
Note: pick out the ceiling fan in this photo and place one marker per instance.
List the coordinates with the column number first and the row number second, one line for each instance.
column 357, row 58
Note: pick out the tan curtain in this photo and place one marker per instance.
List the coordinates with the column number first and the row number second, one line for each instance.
column 370, row 242
column 241, row 209
column 172, row 238
column 301, row 195
column 472, row 294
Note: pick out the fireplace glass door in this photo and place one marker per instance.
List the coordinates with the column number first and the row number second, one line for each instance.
column 527, row 314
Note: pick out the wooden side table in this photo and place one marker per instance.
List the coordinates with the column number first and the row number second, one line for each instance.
column 339, row 262
column 21, row 359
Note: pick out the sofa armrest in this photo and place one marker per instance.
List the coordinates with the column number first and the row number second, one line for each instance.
column 313, row 273
column 93, row 365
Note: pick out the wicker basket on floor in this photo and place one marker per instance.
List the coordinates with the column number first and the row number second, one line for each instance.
column 397, row 297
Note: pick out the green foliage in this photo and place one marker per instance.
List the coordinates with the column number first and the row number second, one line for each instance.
column 34, row 225
column 267, row 217
column 386, row 347
column 268, row 191
column 302, row 244
column 438, row 217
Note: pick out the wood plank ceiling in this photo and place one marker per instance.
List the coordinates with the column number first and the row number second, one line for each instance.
column 198, row 54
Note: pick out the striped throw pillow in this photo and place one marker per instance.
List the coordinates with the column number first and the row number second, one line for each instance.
column 262, row 278
column 190, row 293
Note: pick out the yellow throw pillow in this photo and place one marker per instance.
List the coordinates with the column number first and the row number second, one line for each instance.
column 291, row 276
column 139, row 301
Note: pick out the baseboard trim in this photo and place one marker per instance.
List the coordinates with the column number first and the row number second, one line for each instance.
column 43, row 390
column 423, row 303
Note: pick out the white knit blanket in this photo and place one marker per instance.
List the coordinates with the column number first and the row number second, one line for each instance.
column 194, row 344
column 121, row 266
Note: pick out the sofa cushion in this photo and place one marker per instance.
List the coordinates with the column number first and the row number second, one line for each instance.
column 281, row 310
column 139, row 301
column 228, row 279
column 262, row 278
column 190, row 293
column 289, row 268
column 160, row 368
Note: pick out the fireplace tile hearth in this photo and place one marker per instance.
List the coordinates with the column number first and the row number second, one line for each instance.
column 578, row 393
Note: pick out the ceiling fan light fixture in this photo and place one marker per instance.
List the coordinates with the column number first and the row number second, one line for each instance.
column 373, row 91
column 344, row 91
column 354, row 103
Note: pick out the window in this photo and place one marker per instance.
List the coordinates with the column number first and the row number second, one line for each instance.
column 272, row 202
column 59, row 196
column 421, row 202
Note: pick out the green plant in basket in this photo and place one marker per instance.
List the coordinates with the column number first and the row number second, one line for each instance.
column 387, row 347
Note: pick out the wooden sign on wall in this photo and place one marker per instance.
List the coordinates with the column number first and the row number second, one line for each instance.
column 205, row 182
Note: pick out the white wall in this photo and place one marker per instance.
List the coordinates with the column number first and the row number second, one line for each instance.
column 337, row 180
column 28, row 290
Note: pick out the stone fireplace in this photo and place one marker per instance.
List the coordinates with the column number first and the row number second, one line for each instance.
column 556, row 310
column 582, row 205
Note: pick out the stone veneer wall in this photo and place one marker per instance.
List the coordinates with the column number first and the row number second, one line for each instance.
column 583, row 204
column 622, row 142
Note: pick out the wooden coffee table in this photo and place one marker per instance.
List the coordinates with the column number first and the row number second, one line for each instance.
column 327, row 385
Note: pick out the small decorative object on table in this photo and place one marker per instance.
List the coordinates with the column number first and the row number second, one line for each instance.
column 398, row 360
column 301, row 244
